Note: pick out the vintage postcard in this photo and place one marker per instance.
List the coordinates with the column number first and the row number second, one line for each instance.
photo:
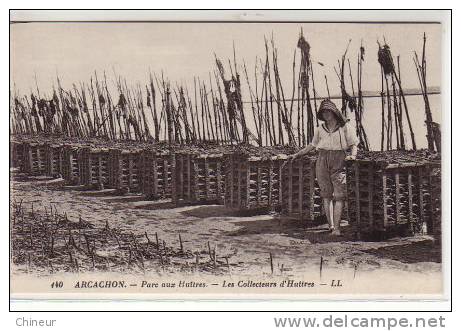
column 235, row 159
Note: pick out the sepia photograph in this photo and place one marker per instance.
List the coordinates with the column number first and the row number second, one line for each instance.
column 169, row 159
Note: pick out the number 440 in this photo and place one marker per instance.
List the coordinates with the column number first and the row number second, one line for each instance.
column 57, row 284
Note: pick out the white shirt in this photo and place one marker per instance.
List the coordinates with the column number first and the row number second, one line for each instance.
column 341, row 138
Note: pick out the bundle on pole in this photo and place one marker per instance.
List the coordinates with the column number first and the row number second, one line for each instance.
column 234, row 104
column 303, row 82
column 388, row 69
column 432, row 132
column 351, row 102
column 360, row 129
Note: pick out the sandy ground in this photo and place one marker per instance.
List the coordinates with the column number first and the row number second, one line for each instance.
column 296, row 247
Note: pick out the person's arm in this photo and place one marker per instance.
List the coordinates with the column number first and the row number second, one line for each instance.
column 308, row 148
column 352, row 141
column 353, row 155
column 304, row 151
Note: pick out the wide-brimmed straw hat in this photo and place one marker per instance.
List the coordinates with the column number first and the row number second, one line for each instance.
column 328, row 105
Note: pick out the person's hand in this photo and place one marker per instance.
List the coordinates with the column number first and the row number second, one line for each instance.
column 350, row 157
column 289, row 158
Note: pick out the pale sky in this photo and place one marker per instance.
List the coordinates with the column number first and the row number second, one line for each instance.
column 185, row 50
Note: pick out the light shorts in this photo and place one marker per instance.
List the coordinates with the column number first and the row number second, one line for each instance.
column 331, row 174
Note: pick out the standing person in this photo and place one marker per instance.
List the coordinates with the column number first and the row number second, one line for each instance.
column 332, row 139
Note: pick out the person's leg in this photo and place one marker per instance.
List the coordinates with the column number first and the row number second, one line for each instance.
column 326, row 187
column 338, row 179
column 337, row 213
column 327, row 208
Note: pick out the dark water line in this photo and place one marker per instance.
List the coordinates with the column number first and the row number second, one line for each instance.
column 338, row 97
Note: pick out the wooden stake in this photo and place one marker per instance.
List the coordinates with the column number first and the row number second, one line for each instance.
column 180, row 244
column 147, row 237
column 209, row 251
column 271, row 263
column 321, row 266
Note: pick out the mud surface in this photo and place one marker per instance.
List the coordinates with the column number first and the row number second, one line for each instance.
column 243, row 243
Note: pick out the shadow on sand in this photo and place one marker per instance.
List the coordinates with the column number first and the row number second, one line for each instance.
column 315, row 231
column 413, row 252
column 205, row 211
